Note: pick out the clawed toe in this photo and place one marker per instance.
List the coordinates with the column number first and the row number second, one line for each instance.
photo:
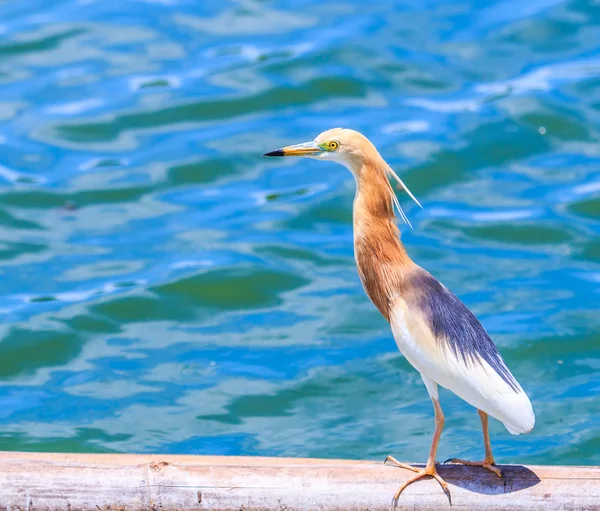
column 393, row 461
column 487, row 463
column 420, row 473
column 494, row 469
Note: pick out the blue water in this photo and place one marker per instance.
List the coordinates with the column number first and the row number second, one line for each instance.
column 166, row 289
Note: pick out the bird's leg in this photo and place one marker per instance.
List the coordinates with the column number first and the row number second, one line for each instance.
column 488, row 462
column 429, row 469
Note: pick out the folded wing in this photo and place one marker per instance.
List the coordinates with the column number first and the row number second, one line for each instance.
column 442, row 339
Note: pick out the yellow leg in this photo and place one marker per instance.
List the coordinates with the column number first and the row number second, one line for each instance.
column 488, row 462
column 429, row 469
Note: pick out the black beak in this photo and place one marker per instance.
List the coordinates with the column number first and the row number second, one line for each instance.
column 277, row 152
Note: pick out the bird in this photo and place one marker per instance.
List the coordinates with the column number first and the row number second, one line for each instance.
column 433, row 329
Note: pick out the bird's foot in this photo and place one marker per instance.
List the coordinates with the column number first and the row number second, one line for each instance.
column 420, row 473
column 488, row 463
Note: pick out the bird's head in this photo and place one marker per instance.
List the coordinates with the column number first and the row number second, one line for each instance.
column 344, row 146
column 351, row 149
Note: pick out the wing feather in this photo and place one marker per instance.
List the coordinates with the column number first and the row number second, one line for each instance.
column 444, row 340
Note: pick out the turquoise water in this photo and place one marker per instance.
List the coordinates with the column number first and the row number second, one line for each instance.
column 166, row 289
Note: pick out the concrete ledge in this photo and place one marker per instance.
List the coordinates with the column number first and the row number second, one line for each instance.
column 119, row 482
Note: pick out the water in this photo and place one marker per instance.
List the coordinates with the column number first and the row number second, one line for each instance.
column 165, row 289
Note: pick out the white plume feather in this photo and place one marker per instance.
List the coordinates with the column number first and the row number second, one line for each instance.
column 390, row 172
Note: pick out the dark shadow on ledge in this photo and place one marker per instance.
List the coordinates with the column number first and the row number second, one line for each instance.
column 481, row 480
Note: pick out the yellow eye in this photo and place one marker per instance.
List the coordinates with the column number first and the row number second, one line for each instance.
column 332, row 146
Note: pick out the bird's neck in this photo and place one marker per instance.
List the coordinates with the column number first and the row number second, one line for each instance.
column 380, row 256
column 374, row 218
column 373, row 197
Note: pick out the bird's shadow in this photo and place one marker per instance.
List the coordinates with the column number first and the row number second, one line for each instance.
column 480, row 480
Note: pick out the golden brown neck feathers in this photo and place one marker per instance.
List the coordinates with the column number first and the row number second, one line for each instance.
column 380, row 256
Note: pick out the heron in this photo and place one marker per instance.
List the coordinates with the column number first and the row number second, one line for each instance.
column 433, row 329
